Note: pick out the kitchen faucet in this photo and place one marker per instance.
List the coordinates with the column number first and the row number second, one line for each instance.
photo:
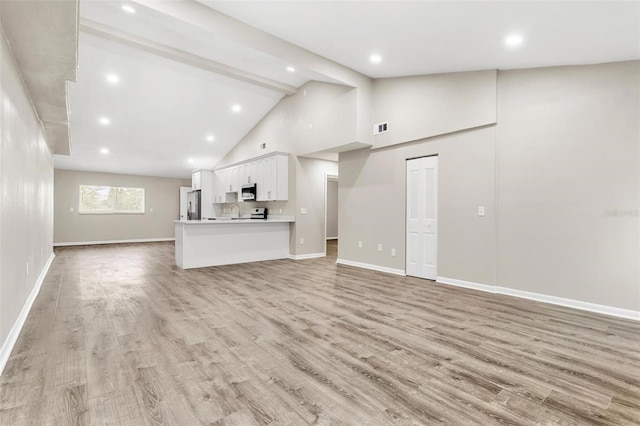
column 235, row 204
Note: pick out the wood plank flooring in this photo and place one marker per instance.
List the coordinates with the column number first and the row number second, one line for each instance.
column 120, row 336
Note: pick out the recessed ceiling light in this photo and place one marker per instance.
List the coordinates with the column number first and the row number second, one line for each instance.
column 375, row 58
column 105, row 121
column 513, row 40
column 113, row 78
column 291, row 69
column 191, row 160
column 236, row 108
column 104, row 151
column 210, row 138
column 128, row 8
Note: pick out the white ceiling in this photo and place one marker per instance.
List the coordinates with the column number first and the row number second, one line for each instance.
column 428, row 37
column 164, row 106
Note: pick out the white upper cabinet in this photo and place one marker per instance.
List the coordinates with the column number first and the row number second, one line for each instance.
column 270, row 173
column 218, row 191
column 234, row 179
column 196, row 180
column 248, row 173
column 204, row 181
column 273, row 178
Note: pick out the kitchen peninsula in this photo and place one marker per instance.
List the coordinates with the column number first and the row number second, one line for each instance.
column 224, row 241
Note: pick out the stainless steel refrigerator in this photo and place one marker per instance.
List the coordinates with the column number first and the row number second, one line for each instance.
column 193, row 205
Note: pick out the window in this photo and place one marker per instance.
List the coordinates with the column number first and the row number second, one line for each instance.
column 110, row 200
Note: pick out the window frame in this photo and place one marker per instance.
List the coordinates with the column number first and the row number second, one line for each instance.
column 82, row 210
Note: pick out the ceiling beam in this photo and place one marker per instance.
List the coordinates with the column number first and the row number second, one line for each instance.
column 104, row 31
column 211, row 20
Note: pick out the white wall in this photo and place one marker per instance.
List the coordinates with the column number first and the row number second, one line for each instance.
column 26, row 212
column 371, row 204
column 559, row 176
column 424, row 106
column 568, row 153
column 161, row 194
column 311, row 177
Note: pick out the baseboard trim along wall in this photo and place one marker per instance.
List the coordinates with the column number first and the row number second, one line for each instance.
column 370, row 266
column 90, row 243
column 12, row 338
column 332, row 238
column 570, row 303
column 306, row 256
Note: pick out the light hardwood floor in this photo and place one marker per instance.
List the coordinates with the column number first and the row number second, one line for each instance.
column 120, row 335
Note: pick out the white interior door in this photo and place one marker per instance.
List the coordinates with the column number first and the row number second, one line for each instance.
column 422, row 217
column 183, row 201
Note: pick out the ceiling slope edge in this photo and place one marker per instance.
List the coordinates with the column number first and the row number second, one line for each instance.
column 46, row 33
column 207, row 18
column 167, row 52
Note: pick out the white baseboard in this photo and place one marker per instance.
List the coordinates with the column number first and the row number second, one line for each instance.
column 467, row 284
column 12, row 338
column 370, row 266
column 570, row 303
column 332, row 238
column 306, row 256
column 90, row 243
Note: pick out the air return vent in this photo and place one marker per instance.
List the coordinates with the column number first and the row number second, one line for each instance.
column 380, row 128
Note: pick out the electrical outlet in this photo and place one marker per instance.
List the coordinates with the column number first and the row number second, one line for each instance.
column 379, row 247
column 301, row 241
column 393, row 252
column 303, row 210
column 151, row 210
column 70, row 209
column 310, row 126
column 280, row 211
column 359, row 244
column 481, row 211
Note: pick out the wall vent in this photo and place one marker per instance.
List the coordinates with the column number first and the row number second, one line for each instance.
column 380, row 128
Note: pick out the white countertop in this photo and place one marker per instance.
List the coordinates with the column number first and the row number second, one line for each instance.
column 227, row 220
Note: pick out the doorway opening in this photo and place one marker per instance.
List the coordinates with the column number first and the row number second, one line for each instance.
column 331, row 215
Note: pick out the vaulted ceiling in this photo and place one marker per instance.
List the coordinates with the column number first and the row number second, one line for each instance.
column 182, row 66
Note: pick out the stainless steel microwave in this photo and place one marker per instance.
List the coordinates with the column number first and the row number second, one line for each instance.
column 248, row 192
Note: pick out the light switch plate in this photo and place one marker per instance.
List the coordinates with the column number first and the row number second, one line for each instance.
column 303, row 210
column 481, row 211
column 359, row 244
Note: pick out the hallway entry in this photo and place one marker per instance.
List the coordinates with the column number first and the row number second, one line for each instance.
column 331, row 214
